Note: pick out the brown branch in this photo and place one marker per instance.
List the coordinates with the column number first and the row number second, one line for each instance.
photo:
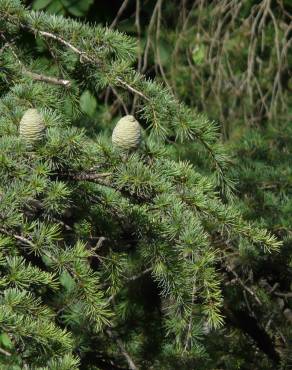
column 99, row 243
column 132, row 89
column 82, row 54
column 4, row 352
column 33, row 75
column 120, row 344
column 148, row 43
column 272, row 290
column 131, row 278
column 138, row 26
column 135, row 277
column 159, row 4
column 6, row 45
column 237, row 278
column 284, row 295
column 120, row 99
column 49, row 79
column 88, row 176
column 120, row 12
column 98, row 178
column 189, row 336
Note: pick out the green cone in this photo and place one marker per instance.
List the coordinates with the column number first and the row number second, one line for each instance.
column 31, row 127
column 127, row 133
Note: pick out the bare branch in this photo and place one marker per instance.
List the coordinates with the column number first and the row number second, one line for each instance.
column 33, row 75
column 4, row 352
column 131, row 278
column 237, row 278
column 119, row 13
column 83, row 55
column 120, row 344
column 132, row 89
column 135, row 277
column 49, row 79
column 89, row 176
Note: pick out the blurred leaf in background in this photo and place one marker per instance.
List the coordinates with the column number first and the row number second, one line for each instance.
column 76, row 8
column 88, row 103
column 198, row 54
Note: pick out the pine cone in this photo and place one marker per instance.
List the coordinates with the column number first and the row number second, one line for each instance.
column 127, row 133
column 31, row 127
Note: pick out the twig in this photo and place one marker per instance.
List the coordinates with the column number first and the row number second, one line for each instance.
column 119, row 13
column 131, row 278
column 252, row 293
column 272, row 290
column 284, row 295
column 39, row 206
column 148, row 43
column 188, row 336
column 159, row 4
column 274, row 287
column 49, row 79
column 89, row 176
column 138, row 26
column 4, row 352
column 99, row 243
column 120, row 99
column 83, row 55
column 132, row 89
column 6, row 45
column 248, row 305
column 122, row 349
column 135, row 277
column 33, row 75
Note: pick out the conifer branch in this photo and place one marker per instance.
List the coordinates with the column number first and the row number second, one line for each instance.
column 132, row 89
column 130, row 86
column 33, row 75
column 62, row 41
column 156, row 214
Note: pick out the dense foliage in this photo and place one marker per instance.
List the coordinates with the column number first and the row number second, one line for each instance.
column 139, row 259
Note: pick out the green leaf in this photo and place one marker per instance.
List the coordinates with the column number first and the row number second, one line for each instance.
column 40, row 4
column 56, row 7
column 164, row 51
column 88, row 103
column 77, row 8
column 6, row 341
column 67, row 281
column 198, row 54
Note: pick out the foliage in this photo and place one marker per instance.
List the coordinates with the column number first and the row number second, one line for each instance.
column 230, row 59
column 142, row 260
column 75, row 8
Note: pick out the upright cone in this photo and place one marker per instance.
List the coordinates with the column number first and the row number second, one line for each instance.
column 31, row 127
column 127, row 133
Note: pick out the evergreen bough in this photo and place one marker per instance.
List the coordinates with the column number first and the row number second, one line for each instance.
column 105, row 260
